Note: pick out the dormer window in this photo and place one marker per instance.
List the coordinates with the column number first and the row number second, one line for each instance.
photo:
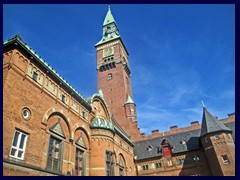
column 183, row 142
column 150, row 148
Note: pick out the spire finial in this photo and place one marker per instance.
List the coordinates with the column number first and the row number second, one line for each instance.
column 203, row 104
column 109, row 8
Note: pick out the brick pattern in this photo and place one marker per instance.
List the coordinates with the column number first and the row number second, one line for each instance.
column 172, row 167
column 47, row 109
column 115, row 90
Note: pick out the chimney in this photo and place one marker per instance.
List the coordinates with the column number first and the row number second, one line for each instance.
column 194, row 123
column 173, row 127
column 155, row 131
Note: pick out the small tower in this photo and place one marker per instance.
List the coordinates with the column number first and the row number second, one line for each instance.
column 130, row 109
column 114, row 76
column 218, row 145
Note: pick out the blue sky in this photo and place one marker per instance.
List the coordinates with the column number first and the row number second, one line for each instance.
column 178, row 54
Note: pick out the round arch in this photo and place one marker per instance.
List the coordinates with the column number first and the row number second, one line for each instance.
column 57, row 111
column 122, row 165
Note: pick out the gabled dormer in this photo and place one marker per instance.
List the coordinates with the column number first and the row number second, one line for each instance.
column 166, row 148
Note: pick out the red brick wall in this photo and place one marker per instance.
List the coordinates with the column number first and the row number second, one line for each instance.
column 214, row 149
column 115, row 91
column 188, row 168
column 21, row 91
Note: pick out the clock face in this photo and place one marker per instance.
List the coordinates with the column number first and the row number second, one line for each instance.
column 108, row 51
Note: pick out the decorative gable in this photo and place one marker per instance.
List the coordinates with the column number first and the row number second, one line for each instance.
column 81, row 142
column 57, row 129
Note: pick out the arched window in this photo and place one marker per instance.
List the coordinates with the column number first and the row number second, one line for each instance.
column 109, row 163
column 80, row 156
column 121, row 166
column 55, row 148
column 109, row 76
column 169, row 162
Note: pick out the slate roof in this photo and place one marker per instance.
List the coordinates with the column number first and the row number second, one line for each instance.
column 120, row 131
column 211, row 124
column 191, row 138
column 151, row 148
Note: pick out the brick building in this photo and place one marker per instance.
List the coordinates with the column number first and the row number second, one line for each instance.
column 50, row 129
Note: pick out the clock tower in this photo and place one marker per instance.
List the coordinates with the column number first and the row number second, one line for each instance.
column 114, row 77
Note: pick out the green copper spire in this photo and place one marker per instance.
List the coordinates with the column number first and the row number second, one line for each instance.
column 129, row 100
column 109, row 18
column 110, row 30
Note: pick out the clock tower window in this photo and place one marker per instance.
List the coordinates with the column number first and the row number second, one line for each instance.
column 110, row 76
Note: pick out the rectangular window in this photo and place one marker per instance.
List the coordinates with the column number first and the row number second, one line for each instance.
column 196, row 158
column 109, row 164
column 35, row 75
column 79, row 163
column 63, row 98
column 145, row 167
column 180, row 161
column 54, row 155
column 18, row 145
column 121, row 172
column 217, row 136
column 158, row 165
column 83, row 114
column 225, row 159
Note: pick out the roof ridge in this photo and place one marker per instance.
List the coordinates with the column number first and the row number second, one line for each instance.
column 18, row 38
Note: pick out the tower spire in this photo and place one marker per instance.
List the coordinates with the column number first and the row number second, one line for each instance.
column 110, row 30
column 203, row 105
column 211, row 124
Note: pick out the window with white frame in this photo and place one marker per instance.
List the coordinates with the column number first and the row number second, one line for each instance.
column 18, row 145
column 195, row 158
column 109, row 76
column 169, row 162
column 225, row 159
